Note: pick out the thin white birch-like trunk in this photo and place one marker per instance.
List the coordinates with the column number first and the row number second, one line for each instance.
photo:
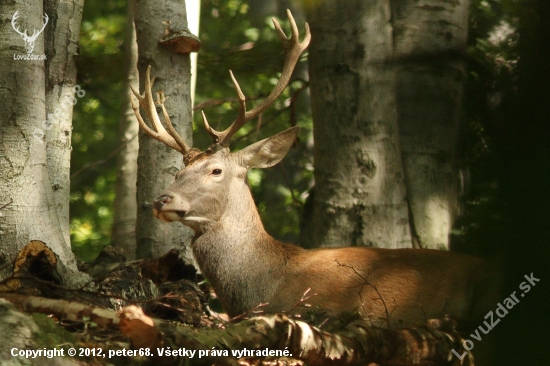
column 193, row 10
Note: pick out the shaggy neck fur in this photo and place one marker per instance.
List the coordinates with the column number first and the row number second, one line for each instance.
column 231, row 254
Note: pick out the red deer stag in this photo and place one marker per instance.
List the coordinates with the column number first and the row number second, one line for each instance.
column 246, row 266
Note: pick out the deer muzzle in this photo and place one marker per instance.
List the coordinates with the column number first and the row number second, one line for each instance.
column 168, row 208
column 161, row 201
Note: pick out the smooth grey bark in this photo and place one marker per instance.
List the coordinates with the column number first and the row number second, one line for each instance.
column 61, row 38
column 125, row 206
column 157, row 163
column 386, row 85
column 430, row 44
column 24, row 175
column 359, row 197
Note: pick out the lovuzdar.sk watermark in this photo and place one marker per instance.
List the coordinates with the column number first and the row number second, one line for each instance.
column 29, row 40
column 500, row 311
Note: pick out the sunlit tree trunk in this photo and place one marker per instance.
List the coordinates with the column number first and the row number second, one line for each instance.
column 429, row 47
column 61, row 37
column 386, row 84
column 359, row 197
column 25, row 156
column 158, row 164
column 193, row 10
column 125, row 207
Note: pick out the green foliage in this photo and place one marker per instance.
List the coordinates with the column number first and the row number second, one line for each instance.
column 95, row 126
column 51, row 334
column 492, row 77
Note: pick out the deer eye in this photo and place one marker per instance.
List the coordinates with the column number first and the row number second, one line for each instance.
column 216, row 171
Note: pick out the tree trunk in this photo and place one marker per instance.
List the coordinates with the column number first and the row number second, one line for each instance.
column 125, row 206
column 193, row 10
column 386, row 84
column 61, row 38
column 359, row 196
column 429, row 44
column 157, row 164
column 24, row 175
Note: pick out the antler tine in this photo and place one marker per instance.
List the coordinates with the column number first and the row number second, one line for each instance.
column 13, row 19
column 294, row 49
column 224, row 136
column 209, row 129
column 179, row 140
column 172, row 139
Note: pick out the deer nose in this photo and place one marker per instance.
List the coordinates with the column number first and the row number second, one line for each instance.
column 159, row 203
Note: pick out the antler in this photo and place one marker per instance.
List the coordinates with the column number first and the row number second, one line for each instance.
column 13, row 19
column 294, row 49
column 170, row 138
column 35, row 34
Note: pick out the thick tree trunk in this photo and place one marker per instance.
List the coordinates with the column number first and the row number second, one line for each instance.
column 61, row 47
column 157, row 164
column 429, row 44
column 386, row 84
column 125, row 206
column 24, row 175
column 359, row 182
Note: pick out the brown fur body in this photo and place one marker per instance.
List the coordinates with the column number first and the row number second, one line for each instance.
column 246, row 266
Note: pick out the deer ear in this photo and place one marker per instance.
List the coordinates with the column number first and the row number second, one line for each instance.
column 267, row 152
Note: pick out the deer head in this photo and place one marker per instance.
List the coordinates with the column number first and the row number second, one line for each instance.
column 29, row 40
column 199, row 195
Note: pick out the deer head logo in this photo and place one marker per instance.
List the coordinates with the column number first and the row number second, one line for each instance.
column 29, row 40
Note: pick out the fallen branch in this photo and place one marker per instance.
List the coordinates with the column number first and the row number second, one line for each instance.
column 63, row 309
column 356, row 344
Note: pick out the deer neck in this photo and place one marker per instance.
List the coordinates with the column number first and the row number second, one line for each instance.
column 229, row 252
